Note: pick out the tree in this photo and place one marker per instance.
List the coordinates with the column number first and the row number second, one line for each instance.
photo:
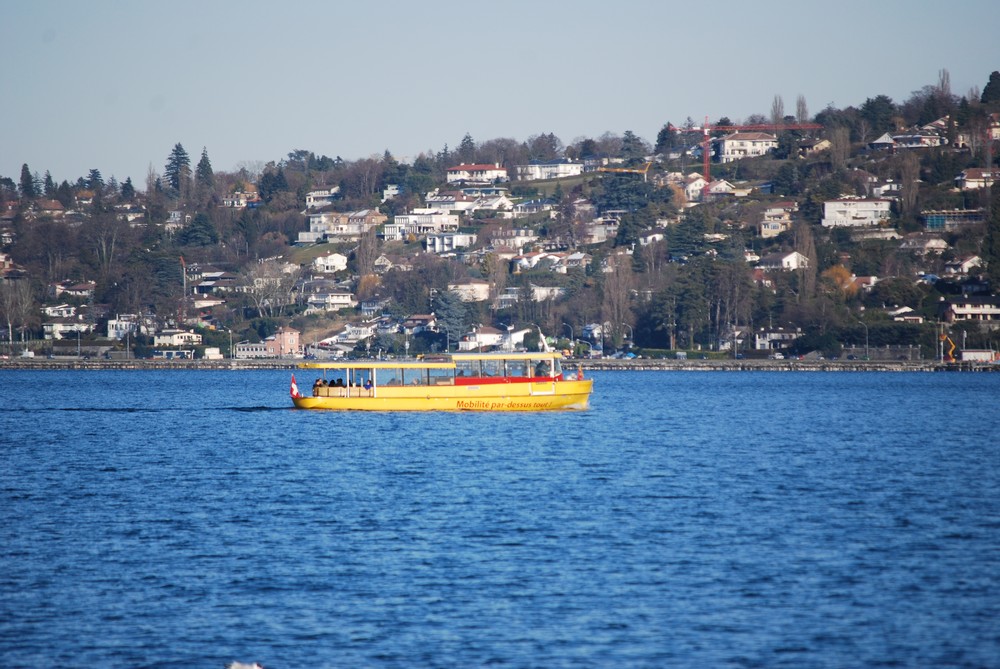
column 879, row 113
column 17, row 306
column 664, row 139
column 204, row 177
column 27, row 183
column 49, row 185
column 95, row 182
column 991, row 93
column 801, row 110
column 128, row 190
column 467, row 150
column 452, row 314
column 634, row 149
column 178, row 168
column 199, row 232
column 268, row 286
column 777, row 110
column 616, row 291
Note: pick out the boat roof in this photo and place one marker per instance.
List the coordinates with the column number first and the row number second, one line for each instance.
column 430, row 362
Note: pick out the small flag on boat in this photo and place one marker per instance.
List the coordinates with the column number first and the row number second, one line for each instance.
column 295, row 389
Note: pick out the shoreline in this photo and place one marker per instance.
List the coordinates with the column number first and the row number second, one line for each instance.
column 588, row 365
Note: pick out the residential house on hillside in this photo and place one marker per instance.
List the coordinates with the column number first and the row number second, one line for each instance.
column 553, row 169
column 808, row 147
column 963, row 265
column 178, row 338
column 923, row 243
column 82, row 289
column 536, row 206
column 322, row 197
column 329, row 263
column 471, row 290
column 417, row 323
column 449, row 242
column 745, row 145
column 777, row 219
column 476, row 173
column 325, row 224
column 241, row 198
column 325, row 301
column 386, row 263
column 418, row 223
column 952, row 219
column 64, row 327
column 694, row 187
column 856, row 213
column 481, row 338
column 784, row 260
column 975, row 178
column 282, row 344
column 968, row 308
column 775, row 339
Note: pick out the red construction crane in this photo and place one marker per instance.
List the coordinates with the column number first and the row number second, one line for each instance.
column 709, row 128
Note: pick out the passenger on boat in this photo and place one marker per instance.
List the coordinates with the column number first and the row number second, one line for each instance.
column 368, row 384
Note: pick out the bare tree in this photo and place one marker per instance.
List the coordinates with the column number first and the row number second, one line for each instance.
column 367, row 252
column 801, row 110
column 17, row 306
column 840, row 147
column 777, row 110
column 495, row 270
column 269, row 285
column 909, row 178
column 617, row 289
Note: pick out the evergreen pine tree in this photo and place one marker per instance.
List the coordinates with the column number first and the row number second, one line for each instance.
column 95, row 181
column 128, row 190
column 992, row 91
column 204, row 178
column 50, row 185
column 178, row 167
column 27, row 183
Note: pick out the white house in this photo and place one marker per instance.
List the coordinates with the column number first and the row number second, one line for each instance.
column 554, row 169
column 330, row 263
column 329, row 301
column 785, row 261
column 476, row 173
column 321, row 198
column 176, row 338
column 855, row 213
column 325, row 224
column 471, row 290
column 745, row 145
column 975, row 178
column 447, row 242
column 963, row 265
column 420, row 222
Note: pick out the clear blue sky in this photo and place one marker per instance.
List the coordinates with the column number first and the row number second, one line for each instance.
column 114, row 85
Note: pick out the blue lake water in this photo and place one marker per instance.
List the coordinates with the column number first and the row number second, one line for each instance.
column 688, row 519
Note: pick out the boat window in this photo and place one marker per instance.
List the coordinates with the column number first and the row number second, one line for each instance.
column 441, row 377
column 467, row 368
column 492, row 367
column 415, row 377
column 541, row 367
column 556, row 367
column 518, row 368
column 388, row 377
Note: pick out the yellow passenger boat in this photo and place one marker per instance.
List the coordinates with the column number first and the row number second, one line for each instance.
column 454, row 382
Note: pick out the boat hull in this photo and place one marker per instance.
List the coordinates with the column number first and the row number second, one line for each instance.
column 534, row 396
